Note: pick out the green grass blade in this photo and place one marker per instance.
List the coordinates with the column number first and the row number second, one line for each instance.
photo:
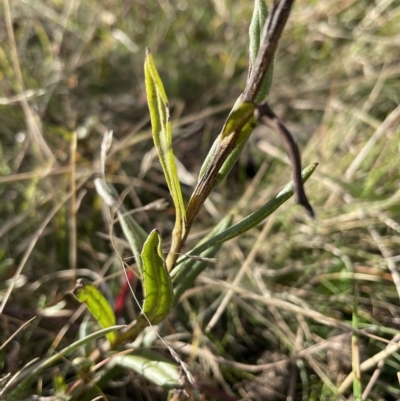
column 157, row 287
column 85, row 292
column 162, row 136
column 156, row 368
column 21, row 380
column 255, row 218
column 133, row 232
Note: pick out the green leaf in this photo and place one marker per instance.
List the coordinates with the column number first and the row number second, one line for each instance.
column 186, row 273
column 153, row 366
column 162, row 136
column 157, row 287
column 233, row 157
column 240, row 123
column 98, row 306
column 133, row 232
column 258, row 20
column 239, row 116
column 242, row 114
column 253, row 219
column 239, row 113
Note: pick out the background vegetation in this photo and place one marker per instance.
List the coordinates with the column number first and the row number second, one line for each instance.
column 282, row 288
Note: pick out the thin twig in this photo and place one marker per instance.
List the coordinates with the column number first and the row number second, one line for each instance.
column 268, row 118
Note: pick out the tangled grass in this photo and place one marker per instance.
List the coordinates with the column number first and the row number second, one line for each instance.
column 272, row 318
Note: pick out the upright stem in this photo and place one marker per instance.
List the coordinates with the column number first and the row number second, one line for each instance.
column 271, row 35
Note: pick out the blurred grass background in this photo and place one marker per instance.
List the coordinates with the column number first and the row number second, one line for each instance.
column 74, row 69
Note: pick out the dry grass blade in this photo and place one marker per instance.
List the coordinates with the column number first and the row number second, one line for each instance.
column 370, row 363
column 387, row 255
column 288, row 306
column 386, row 125
column 186, row 348
column 30, row 118
column 376, row 373
column 34, row 240
column 19, row 330
column 246, row 265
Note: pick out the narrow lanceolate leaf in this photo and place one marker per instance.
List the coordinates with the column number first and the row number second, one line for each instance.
column 253, row 219
column 157, row 287
column 162, row 136
column 152, row 365
column 258, row 20
column 97, row 304
column 184, row 275
column 238, row 113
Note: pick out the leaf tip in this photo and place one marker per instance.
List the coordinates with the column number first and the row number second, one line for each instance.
column 80, row 283
column 154, row 231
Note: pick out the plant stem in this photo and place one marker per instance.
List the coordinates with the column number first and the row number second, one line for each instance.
column 272, row 33
column 268, row 118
